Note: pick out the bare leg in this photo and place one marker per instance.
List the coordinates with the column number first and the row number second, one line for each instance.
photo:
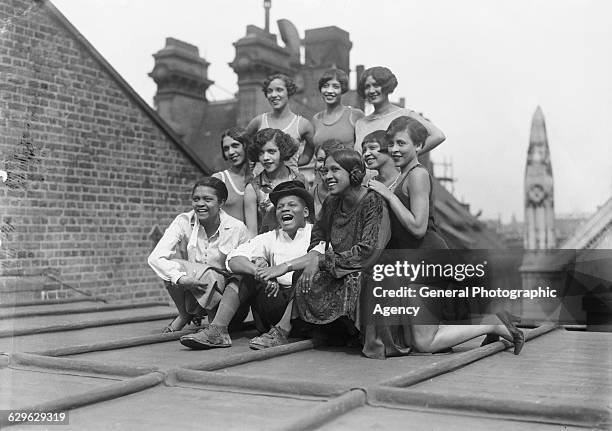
column 285, row 322
column 434, row 338
column 178, row 296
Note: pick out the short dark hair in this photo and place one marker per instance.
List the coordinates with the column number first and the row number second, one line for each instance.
column 417, row 132
column 337, row 74
column 289, row 84
column 330, row 146
column 379, row 136
column 238, row 134
column 213, row 183
column 350, row 161
column 383, row 77
column 285, row 143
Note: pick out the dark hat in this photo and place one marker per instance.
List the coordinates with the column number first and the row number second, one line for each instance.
column 292, row 188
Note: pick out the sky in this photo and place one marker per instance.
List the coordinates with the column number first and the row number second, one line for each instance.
column 477, row 69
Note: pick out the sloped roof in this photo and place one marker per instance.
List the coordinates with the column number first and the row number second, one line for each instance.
column 590, row 233
column 122, row 83
column 460, row 229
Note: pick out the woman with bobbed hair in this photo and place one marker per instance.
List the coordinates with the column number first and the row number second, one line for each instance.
column 375, row 85
column 190, row 256
column 234, row 147
column 278, row 88
column 272, row 148
column 319, row 190
column 337, row 121
column 346, row 241
column 411, row 207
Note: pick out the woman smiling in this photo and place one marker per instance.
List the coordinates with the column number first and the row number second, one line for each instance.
column 190, row 256
column 337, row 121
column 375, row 85
column 347, row 239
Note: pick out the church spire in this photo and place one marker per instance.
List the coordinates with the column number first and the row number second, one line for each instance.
column 539, row 197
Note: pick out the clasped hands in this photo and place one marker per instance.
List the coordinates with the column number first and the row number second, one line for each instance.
column 268, row 274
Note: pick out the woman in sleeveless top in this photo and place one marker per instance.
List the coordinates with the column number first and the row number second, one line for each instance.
column 272, row 148
column 375, row 85
column 234, row 145
column 412, row 223
column 278, row 89
column 337, row 121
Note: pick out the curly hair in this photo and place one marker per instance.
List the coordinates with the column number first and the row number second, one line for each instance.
column 337, row 74
column 238, row 134
column 417, row 132
column 378, row 136
column 383, row 77
column 350, row 161
column 213, row 183
column 285, row 143
column 289, row 84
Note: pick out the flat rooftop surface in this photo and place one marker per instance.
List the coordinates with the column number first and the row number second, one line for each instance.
column 109, row 367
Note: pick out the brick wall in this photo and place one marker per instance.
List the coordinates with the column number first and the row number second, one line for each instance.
column 90, row 172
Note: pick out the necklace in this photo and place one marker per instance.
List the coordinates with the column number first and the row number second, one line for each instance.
column 394, row 183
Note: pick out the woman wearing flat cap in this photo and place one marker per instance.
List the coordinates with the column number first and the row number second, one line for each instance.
column 267, row 262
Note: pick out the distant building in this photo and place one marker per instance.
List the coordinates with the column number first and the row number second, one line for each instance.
column 539, row 190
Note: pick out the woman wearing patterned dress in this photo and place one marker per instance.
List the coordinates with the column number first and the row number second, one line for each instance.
column 347, row 239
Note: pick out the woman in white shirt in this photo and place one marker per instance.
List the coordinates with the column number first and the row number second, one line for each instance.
column 190, row 257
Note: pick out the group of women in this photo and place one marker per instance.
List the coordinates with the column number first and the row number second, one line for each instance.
column 370, row 193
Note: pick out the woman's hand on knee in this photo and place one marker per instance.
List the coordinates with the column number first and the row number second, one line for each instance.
column 305, row 281
column 272, row 272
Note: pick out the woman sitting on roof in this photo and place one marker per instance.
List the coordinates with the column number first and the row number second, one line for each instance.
column 347, row 239
column 190, row 256
column 412, row 225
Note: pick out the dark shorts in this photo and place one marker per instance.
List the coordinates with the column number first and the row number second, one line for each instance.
column 267, row 311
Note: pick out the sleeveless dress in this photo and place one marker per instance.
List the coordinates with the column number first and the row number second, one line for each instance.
column 266, row 214
column 402, row 238
column 396, row 340
column 293, row 130
column 234, row 205
column 342, row 129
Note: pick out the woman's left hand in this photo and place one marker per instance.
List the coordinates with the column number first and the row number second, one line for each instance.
column 380, row 188
column 272, row 272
